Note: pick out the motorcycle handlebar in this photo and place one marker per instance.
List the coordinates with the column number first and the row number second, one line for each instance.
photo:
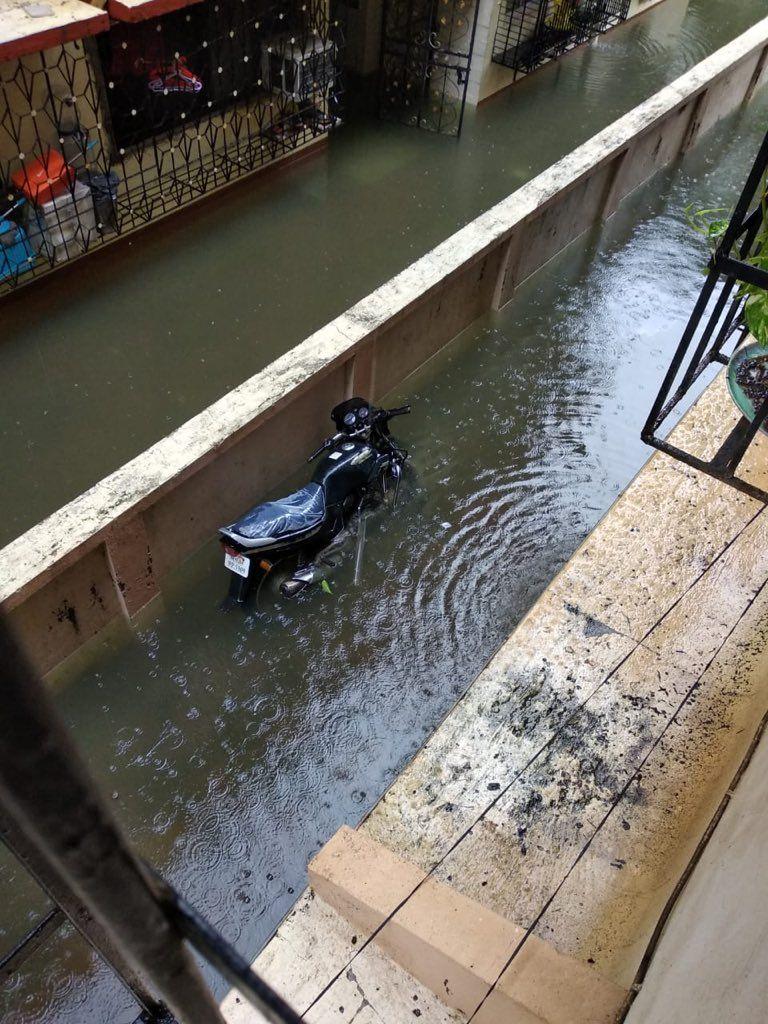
column 388, row 414
column 324, row 446
column 402, row 411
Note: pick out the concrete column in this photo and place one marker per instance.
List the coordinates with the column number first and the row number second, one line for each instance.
column 131, row 564
column 616, row 188
column 349, row 378
column 757, row 75
column 487, row 17
column 510, row 264
column 697, row 119
column 360, row 373
column 364, row 37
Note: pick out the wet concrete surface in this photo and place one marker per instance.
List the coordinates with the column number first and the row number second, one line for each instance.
column 112, row 353
column 235, row 743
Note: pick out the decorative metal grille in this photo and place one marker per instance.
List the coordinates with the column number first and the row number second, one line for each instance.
column 425, row 62
column 101, row 136
column 531, row 32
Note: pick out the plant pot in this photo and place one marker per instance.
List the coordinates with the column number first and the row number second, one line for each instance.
column 746, row 401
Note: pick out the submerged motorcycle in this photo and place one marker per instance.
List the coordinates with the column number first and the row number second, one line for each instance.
column 361, row 462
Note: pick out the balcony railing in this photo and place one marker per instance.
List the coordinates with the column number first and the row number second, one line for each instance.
column 716, row 328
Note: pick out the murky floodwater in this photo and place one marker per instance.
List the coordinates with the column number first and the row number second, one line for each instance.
column 235, row 743
column 103, row 359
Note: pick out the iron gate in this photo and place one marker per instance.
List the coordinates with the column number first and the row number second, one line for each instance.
column 425, row 61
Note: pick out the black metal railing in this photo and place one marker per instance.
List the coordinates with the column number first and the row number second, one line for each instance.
column 101, row 136
column 715, row 329
column 531, row 32
column 36, row 938
column 53, row 818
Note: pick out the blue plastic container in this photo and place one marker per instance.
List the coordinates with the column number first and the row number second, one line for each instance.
column 16, row 253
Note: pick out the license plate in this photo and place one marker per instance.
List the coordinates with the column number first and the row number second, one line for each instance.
column 237, row 563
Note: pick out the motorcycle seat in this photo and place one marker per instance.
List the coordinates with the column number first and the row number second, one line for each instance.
column 292, row 515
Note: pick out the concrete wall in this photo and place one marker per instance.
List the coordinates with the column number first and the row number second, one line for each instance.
column 363, row 49
column 105, row 554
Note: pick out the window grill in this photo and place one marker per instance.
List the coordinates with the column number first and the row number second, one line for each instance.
column 101, row 136
column 531, row 32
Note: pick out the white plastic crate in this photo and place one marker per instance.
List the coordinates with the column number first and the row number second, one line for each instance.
column 68, row 222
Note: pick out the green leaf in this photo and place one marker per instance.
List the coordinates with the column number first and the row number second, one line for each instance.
column 325, row 586
column 756, row 316
column 716, row 228
column 711, row 229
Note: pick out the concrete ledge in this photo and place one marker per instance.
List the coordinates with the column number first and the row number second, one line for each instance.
column 362, row 879
column 454, row 945
column 23, row 31
column 141, row 10
column 178, row 491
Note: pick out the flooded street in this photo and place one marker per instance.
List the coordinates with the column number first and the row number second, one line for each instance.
column 114, row 352
column 235, row 743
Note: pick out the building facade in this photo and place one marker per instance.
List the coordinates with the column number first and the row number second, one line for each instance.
column 111, row 119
